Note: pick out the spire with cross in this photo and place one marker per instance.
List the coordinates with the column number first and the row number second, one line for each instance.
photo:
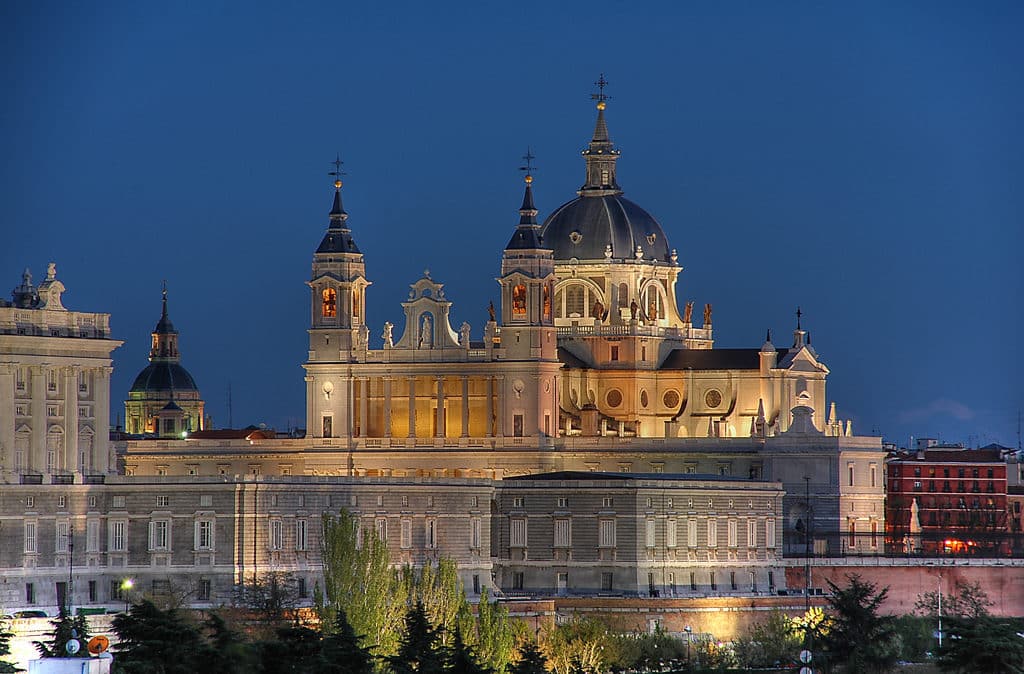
column 601, row 154
column 337, row 172
column 600, row 96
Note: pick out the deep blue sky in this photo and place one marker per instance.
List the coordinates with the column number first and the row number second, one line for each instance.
column 862, row 160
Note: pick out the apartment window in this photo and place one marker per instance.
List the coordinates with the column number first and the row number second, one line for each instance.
column 691, row 534
column 92, row 536
column 607, row 502
column 517, row 533
column 117, row 501
column 204, row 589
column 62, row 501
column 431, row 533
column 606, row 581
column 563, row 502
column 712, row 533
column 116, row 539
column 163, row 501
column 751, row 533
column 61, row 541
column 606, row 534
column 693, row 581
column 406, row 541
column 670, row 533
column 30, row 593
column 204, row 535
column 474, row 533
column 31, row 538
column 731, row 534
column 159, row 535
column 30, row 501
column 769, row 533
column 302, row 589
column 650, row 533
column 92, row 592
column 382, row 531
column 517, row 502
column 276, row 534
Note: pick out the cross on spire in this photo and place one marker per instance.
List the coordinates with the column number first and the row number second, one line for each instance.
column 337, row 172
column 600, row 96
column 798, row 315
column 529, row 168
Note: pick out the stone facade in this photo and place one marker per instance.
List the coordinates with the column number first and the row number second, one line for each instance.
column 54, row 386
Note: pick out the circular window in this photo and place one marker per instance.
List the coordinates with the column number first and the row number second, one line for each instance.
column 671, row 398
column 613, row 398
column 643, row 399
column 713, row 398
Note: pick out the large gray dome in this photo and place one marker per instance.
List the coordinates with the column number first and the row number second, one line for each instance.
column 583, row 227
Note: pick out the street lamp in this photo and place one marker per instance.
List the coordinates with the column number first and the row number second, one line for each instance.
column 71, row 565
column 126, row 586
column 689, row 634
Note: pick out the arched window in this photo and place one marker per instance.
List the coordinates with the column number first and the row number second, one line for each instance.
column 330, row 303
column 575, row 301
column 519, row 301
column 547, row 301
column 355, row 302
column 623, row 295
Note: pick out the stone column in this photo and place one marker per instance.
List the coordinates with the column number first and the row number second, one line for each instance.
column 412, row 407
column 465, row 407
column 37, row 444
column 387, row 407
column 101, row 428
column 8, row 414
column 313, row 428
column 439, row 422
column 364, row 395
column 72, row 455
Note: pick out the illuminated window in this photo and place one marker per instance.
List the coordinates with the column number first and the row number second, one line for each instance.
column 330, row 303
column 355, row 302
column 547, row 301
column 519, row 300
column 575, row 301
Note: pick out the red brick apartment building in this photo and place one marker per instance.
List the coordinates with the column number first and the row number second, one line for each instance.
column 948, row 501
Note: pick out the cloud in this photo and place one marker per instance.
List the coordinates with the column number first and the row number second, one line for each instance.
column 941, row 407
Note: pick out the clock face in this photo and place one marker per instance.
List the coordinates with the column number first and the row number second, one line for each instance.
column 713, row 398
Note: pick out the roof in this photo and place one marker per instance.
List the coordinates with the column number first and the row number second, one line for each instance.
column 569, row 360
column 579, row 475
column 716, row 359
column 234, row 434
column 162, row 376
column 583, row 227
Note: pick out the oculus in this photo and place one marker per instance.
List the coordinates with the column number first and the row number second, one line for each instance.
column 713, row 398
column 575, row 236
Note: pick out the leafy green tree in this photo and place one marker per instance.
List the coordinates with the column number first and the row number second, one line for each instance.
column 272, row 596
column 983, row 644
column 857, row 638
column 5, row 651
column 530, row 661
column 444, row 599
column 461, row 659
column 65, row 628
column 419, row 651
column 916, row 639
column 968, row 600
column 496, row 638
column 773, row 642
column 644, row 651
column 342, row 653
column 152, row 641
column 579, row 643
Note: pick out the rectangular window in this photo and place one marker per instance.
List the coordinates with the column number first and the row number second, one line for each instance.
column 302, row 589
column 607, row 581
column 163, row 501
column 406, row 534
column 517, row 425
column 159, row 535
column 116, row 536
column 563, row 533
column 731, row 534
column 693, row 581
column 651, row 532
column 382, row 531
column 732, row 580
column 92, row 536
column 712, row 533
column 431, row 533
column 615, row 353
column 474, row 533
column 117, row 501
column 852, row 539
column 517, row 502
column 771, row 581
column 563, row 502
column 672, row 583
column 476, row 583
column 30, row 501
column 753, row 582
column 691, row 533
column 204, row 589
column 30, row 593
column 874, row 473
column 92, row 592
column 769, row 533
column 849, row 473
column 30, row 538
column 327, row 426
column 606, row 534
column 517, row 580
column 670, row 533
column 607, row 502
column 62, row 501
column 61, row 540
column 204, row 535
column 276, row 534
column 92, row 501
column 714, row 581
column 517, row 533
column 751, row 533
column 874, row 534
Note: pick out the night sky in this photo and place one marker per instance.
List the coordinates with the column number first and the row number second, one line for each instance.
column 860, row 160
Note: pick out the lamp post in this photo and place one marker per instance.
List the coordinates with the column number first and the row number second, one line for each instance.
column 689, row 633
column 71, row 565
column 938, row 582
column 126, row 585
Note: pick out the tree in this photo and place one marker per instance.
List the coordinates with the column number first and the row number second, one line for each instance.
column 444, row 599
column 152, row 641
column 983, row 644
column 342, row 653
column 772, row 643
column 419, row 651
column 578, row 643
column 967, row 601
column 272, row 596
column 296, row 650
column 65, row 628
column 531, row 660
column 495, row 640
column 228, row 652
column 857, row 638
column 461, row 659
column 5, row 650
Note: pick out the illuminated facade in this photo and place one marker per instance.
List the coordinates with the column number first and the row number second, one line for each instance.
column 164, row 400
column 54, row 387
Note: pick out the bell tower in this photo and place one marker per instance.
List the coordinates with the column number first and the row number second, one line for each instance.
column 337, row 332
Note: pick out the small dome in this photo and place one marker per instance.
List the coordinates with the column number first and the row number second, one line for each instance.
column 160, row 377
column 583, row 227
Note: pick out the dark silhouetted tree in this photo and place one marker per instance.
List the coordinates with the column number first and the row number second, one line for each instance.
column 419, row 651
column 342, row 653
column 65, row 628
column 152, row 641
column 6, row 667
column 531, row 660
column 857, row 638
column 983, row 644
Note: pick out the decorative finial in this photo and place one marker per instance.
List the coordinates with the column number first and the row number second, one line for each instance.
column 529, row 168
column 600, row 96
column 337, row 172
column 798, row 315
